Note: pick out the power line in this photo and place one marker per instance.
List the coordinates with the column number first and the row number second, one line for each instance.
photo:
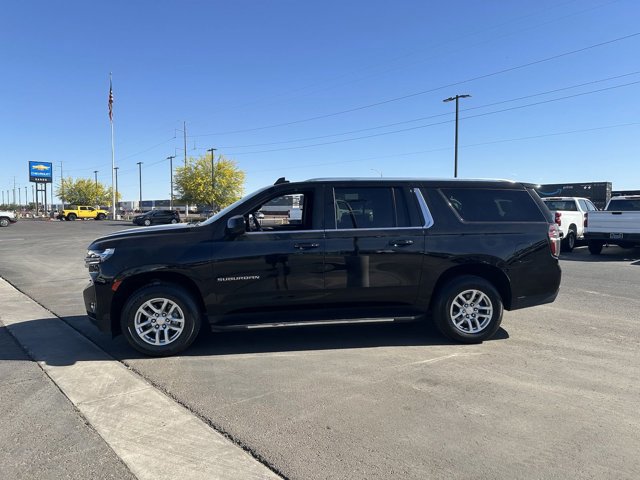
column 442, row 149
column 437, row 123
column 423, row 92
column 431, row 116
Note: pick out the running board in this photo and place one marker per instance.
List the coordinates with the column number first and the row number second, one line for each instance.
column 311, row 323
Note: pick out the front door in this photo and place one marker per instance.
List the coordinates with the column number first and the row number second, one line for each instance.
column 278, row 262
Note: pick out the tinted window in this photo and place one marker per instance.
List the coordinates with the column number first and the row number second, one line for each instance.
column 566, row 205
column 624, row 205
column 486, row 205
column 364, row 207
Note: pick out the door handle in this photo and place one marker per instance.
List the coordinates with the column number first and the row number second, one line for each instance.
column 305, row 246
column 401, row 243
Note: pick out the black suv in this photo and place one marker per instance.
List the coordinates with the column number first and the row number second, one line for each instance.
column 157, row 217
column 331, row 251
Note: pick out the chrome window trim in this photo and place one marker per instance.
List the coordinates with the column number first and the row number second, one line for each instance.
column 428, row 218
column 373, row 229
column 280, row 232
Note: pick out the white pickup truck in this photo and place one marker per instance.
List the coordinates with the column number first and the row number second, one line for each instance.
column 7, row 217
column 618, row 224
column 569, row 214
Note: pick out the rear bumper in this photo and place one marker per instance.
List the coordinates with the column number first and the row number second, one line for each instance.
column 533, row 300
column 606, row 237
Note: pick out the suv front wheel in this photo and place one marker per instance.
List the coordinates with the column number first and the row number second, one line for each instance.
column 468, row 309
column 160, row 319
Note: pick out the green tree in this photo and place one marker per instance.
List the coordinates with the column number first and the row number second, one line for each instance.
column 84, row 191
column 193, row 182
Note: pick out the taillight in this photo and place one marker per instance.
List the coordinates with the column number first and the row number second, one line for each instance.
column 558, row 218
column 586, row 220
column 554, row 239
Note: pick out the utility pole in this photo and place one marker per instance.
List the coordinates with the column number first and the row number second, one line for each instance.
column 14, row 190
column 26, row 199
column 170, row 158
column 19, row 197
column 184, row 131
column 140, row 178
column 450, row 99
column 95, row 173
column 213, row 179
column 115, row 208
column 61, row 186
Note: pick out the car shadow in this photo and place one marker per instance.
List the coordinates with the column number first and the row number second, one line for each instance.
column 611, row 253
column 63, row 349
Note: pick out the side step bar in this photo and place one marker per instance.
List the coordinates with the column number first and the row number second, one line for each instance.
column 309, row 323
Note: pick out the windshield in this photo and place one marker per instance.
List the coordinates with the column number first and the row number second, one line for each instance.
column 226, row 210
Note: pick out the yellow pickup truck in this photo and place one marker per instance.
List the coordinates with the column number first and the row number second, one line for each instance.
column 74, row 212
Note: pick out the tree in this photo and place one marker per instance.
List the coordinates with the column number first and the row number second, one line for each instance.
column 84, row 191
column 193, row 182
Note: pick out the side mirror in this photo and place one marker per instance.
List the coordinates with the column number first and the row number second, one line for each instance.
column 236, row 226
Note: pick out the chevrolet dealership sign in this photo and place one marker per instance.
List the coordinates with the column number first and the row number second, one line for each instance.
column 40, row 172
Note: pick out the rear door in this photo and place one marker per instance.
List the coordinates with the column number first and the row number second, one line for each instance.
column 374, row 247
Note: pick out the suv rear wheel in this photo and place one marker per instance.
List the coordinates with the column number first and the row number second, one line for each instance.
column 468, row 309
column 71, row 217
column 160, row 320
column 4, row 222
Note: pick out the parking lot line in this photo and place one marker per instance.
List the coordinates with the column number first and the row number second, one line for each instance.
column 156, row 437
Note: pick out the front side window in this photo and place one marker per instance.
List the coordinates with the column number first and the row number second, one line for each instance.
column 287, row 212
column 493, row 205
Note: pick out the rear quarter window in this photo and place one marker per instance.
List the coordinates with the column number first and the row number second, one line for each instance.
column 493, row 205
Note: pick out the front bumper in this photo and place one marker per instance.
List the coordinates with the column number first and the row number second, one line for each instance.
column 97, row 310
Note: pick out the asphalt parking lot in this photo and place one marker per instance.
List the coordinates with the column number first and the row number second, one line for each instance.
column 554, row 395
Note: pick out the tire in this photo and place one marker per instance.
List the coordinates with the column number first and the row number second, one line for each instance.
column 148, row 304
column 4, row 222
column 147, row 222
column 595, row 247
column 71, row 217
column 569, row 242
column 456, row 297
column 173, row 220
column 101, row 216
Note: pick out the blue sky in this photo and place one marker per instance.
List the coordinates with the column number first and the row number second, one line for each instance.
column 233, row 70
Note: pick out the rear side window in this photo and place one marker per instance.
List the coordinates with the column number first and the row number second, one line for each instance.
column 493, row 205
column 371, row 207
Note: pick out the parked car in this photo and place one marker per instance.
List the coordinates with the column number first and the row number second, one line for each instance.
column 73, row 212
column 569, row 214
column 157, row 217
column 457, row 252
column 7, row 217
column 618, row 224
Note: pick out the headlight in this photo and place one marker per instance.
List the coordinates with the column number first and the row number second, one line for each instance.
column 94, row 257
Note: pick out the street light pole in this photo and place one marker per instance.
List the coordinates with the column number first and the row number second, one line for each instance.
column 140, row 178
column 213, row 180
column 170, row 158
column 450, row 99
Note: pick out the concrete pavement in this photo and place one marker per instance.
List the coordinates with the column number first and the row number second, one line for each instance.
column 154, row 436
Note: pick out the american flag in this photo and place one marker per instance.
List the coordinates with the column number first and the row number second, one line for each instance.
column 110, row 101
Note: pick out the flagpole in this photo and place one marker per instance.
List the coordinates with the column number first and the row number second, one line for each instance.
column 113, row 155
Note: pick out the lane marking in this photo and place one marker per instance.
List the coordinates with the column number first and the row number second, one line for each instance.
column 156, row 437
